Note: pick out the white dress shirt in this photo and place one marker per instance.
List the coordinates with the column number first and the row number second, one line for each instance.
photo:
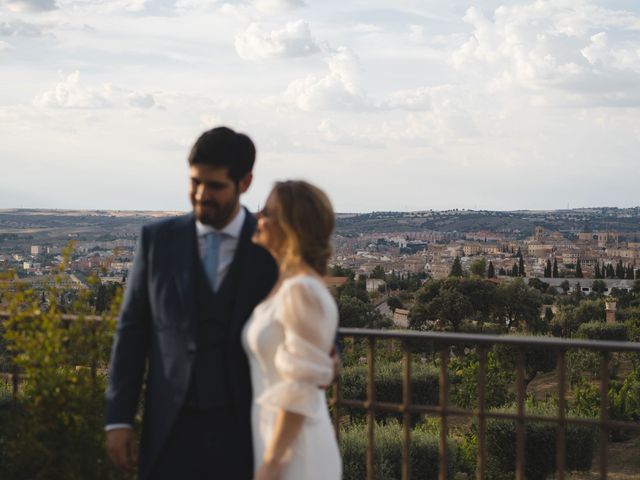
column 230, row 235
column 228, row 246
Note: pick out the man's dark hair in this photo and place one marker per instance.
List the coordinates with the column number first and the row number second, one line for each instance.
column 222, row 147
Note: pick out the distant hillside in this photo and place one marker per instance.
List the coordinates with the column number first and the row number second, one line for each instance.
column 103, row 224
column 512, row 222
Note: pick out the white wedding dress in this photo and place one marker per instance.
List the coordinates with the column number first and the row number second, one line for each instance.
column 288, row 340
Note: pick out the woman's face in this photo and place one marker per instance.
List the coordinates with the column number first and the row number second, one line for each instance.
column 269, row 234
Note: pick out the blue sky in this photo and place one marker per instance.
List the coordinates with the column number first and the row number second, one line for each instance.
column 388, row 105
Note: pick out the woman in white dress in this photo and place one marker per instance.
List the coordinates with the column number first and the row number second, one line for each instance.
column 289, row 338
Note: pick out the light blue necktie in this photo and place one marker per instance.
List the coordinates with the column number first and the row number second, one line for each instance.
column 210, row 259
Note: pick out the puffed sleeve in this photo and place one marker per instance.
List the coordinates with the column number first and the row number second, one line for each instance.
column 309, row 318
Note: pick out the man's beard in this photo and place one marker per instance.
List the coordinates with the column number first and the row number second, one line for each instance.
column 214, row 214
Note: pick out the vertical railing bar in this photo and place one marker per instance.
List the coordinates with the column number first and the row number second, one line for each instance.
column 482, row 421
column 337, row 387
column 520, row 427
column 444, row 403
column 406, row 417
column 604, row 412
column 562, row 424
column 370, row 413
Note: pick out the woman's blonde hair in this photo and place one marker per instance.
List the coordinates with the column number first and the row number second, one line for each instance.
column 306, row 216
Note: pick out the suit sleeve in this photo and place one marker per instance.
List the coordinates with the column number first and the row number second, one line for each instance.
column 302, row 359
column 131, row 341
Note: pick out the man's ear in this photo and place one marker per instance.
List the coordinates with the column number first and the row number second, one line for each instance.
column 245, row 182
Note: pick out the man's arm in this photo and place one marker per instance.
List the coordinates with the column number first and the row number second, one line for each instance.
column 128, row 359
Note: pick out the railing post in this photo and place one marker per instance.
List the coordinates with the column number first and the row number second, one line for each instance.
column 406, row 417
column 604, row 412
column 481, row 465
column 371, row 357
column 561, row 447
column 520, row 426
column 337, row 398
column 444, row 404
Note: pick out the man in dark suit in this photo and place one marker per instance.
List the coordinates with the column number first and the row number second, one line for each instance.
column 194, row 283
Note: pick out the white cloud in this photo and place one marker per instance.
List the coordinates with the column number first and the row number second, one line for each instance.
column 416, row 33
column 4, row 46
column 19, row 28
column 541, row 47
column 416, row 99
column 367, row 28
column 338, row 90
column 30, row 5
column 105, row 7
column 70, row 93
column 268, row 5
column 294, row 40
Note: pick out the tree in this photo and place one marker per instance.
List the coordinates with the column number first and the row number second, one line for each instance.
column 599, row 286
column 451, row 307
column 547, row 269
column 378, row 272
column 514, row 270
column 520, row 263
column 579, row 270
column 554, row 273
column 491, row 270
column 456, row 268
column 611, row 273
column 519, row 306
column 479, row 267
column 354, row 313
column 597, row 272
column 620, row 272
column 565, row 286
column 502, row 271
column 629, row 272
column 394, row 302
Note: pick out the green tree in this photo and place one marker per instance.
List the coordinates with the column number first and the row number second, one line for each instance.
column 491, row 270
column 565, row 286
column 629, row 275
column 394, row 302
column 456, row 268
column 599, row 286
column 354, row 313
column 547, row 269
column 519, row 306
column 479, row 267
column 579, row 270
column 554, row 272
column 378, row 272
column 597, row 273
column 450, row 307
column 514, row 270
column 521, row 271
column 502, row 271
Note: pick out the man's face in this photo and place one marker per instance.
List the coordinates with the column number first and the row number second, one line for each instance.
column 214, row 195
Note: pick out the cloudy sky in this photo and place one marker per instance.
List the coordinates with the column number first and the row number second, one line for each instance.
column 387, row 104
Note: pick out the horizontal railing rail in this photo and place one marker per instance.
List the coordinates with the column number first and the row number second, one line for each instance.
column 483, row 342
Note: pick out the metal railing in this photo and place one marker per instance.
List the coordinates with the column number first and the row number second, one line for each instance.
column 444, row 410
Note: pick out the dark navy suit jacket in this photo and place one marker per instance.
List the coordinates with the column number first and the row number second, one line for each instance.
column 156, row 332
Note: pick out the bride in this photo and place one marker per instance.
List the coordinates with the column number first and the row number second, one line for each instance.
column 288, row 340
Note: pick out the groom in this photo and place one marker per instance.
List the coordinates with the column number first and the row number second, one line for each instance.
column 194, row 283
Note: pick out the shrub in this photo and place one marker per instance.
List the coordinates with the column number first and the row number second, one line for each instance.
column 540, row 446
column 54, row 430
column 602, row 331
column 423, row 453
column 388, row 384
